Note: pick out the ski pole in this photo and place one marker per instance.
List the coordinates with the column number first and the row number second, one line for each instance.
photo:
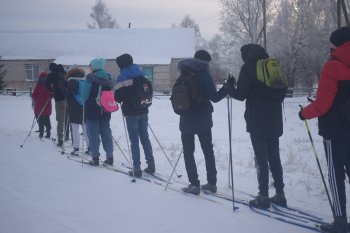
column 116, row 142
column 172, row 173
column 166, row 156
column 229, row 114
column 34, row 123
column 319, row 165
column 127, row 141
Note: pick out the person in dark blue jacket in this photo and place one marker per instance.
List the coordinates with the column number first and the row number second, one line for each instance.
column 200, row 123
column 97, row 119
column 136, row 118
column 263, row 116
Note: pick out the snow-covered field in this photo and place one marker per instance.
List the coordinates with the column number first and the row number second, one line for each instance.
column 42, row 191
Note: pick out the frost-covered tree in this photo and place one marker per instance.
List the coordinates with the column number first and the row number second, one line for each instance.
column 242, row 21
column 188, row 22
column 101, row 17
column 2, row 76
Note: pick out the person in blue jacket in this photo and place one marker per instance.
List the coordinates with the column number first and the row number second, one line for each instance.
column 200, row 123
column 98, row 120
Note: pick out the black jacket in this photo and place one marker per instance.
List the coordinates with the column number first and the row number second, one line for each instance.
column 56, row 84
column 75, row 110
column 263, row 114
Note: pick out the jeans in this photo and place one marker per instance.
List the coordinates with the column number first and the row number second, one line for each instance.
column 267, row 155
column 188, row 144
column 137, row 129
column 95, row 129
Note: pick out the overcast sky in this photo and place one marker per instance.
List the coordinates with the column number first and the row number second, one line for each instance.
column 74, row 14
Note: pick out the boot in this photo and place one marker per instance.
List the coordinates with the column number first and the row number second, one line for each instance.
column 209, row 187
column 48, row 134
column 192, row 189
column 261, row 201
column 136, row 172
column 41, row 134
column 330, row 227
column 60, row 143
column 341, row 225
column 108, row 161
column 279, row 199
column 75, row 152
column 87, row 152
column 94, row 162
column 151, row 168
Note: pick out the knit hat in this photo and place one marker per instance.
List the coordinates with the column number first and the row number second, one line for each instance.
column 202, row 55
column 43, row 74
column 60, row 68
column 98, row 64
column 340, row 36
column 124, row 60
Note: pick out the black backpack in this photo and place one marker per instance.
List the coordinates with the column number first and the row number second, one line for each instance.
column 186, row 94
column 141, row 97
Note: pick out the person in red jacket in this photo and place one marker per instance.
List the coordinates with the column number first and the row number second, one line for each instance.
column 42, row 106
column 333, row 91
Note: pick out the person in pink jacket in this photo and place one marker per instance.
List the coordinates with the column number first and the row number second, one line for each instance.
column 42, row 106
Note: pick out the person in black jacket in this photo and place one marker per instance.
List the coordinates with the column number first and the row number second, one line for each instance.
column 56, row 84
column 200, row 123
column 263, row 117
column 136, row 118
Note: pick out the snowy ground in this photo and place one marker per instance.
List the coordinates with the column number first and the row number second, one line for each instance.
column 42, row 191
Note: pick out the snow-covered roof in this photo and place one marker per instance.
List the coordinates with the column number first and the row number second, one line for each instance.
column 147, row 46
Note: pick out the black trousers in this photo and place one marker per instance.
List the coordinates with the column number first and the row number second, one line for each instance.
column 43, row 122
column 267, row 155
column 338, row 160
column 188, row 144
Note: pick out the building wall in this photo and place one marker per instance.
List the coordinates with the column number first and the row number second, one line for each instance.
column 174, row 71
column 16, row 75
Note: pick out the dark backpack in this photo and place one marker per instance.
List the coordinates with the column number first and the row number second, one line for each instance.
column 186, row 94
column 345, row 108
column 142, row 95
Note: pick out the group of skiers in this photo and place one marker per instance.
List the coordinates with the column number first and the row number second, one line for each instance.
column 263, row 116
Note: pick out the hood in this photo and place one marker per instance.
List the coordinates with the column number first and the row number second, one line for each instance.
column 342, row 53
column 76, row 72
column 129, row 72
column 253, row 52
column 193, row 65
column 101, row 78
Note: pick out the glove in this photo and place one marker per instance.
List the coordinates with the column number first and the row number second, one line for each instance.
column 231, row 80
column 301, row 114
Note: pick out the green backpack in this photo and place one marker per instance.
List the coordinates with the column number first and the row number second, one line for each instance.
column 270, row 73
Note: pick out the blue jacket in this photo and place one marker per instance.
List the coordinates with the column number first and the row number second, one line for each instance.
column 90, row 92
column 202, row 120
column 124, row 90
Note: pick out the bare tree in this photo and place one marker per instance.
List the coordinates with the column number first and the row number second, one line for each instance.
column 188, row 22
column 242, row 21
column 101, row 17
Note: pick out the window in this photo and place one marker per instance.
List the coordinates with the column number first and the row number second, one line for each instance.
column 32, row 72
column 148, row 72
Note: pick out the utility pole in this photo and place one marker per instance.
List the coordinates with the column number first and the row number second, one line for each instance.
column 264, row 22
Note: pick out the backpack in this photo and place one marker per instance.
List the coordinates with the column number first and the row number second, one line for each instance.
column 345, row 109
column 141, row 97
column 270, row 73
column 105, row 99
column 185, row 94
column 271, row 82
column 78, row 96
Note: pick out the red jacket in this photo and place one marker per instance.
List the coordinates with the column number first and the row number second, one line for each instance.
column 42, row 96
column 333, row 86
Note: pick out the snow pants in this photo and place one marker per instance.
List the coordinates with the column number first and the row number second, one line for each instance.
column 338, row 160
column 267, row 155
column 188, row 144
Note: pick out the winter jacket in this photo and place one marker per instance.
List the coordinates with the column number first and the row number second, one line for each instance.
column 333, row 89
column 56, row 84
column 124, row 90
column 263, row 114
column 75, row 110
column 90, row 91
column 42, row 96
column 201, row 120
